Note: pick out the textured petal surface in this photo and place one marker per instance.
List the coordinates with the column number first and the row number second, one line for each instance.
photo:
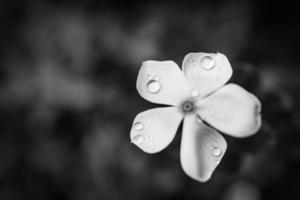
column 202, row 149
column 154, row 129
column 207, row 71
column 162, row 82
column 232, row 110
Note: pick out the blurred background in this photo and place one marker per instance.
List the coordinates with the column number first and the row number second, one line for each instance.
column 67, row 97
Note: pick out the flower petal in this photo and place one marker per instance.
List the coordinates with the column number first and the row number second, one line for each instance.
column 154, row 129
column 207, row 71
column 202, row 149
column 232, row 110
column 162, row 82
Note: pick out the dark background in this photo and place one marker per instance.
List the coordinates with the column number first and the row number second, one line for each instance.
column 68, row 97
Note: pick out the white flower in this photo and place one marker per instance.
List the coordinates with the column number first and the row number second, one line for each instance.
column 197, row 95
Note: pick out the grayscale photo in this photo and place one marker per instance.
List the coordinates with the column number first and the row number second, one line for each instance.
column 149, row 100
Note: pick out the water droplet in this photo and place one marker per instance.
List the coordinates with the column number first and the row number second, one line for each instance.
column 207, row 62
column 149, row 77
column 153, row 86
column 194, row 93
column 138, row 139
column 150, row 137
column 156, row 77
column 217, row 152
column 167, row 70
column 138, row 126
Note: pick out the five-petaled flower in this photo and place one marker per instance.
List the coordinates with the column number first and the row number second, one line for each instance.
column 200, row 97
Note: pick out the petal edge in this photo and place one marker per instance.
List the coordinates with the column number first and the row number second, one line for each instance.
column 153, row 130
column 162, row 82
column 232, row 110
column 207, row 71
column 202, row 149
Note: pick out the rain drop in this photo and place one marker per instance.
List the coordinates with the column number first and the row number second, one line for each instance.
column 207, row 62
column 138, row 126
column 194, row 93
column 153, row 86
column 138, row 139
column 217, row 152
column 150, row 137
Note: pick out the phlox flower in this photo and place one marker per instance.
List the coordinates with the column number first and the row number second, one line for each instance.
column 198, row 96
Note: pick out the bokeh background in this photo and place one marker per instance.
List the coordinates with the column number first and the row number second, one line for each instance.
column 68, row 97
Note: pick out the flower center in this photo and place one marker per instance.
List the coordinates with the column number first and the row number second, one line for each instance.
column 187, row 107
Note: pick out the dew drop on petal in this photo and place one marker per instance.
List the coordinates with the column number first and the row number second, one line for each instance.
column 149, row 77
column 207, row 63
column 217, row 152
column 167, row 70
column 138, row 139
column 138, row 126
column 194, row 93
column 150, row 137
column 156, row 77
column 153, row 86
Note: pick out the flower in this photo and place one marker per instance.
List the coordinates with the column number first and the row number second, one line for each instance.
column 198, row 96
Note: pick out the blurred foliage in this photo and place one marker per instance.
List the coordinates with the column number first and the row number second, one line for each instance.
column 68, row 98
